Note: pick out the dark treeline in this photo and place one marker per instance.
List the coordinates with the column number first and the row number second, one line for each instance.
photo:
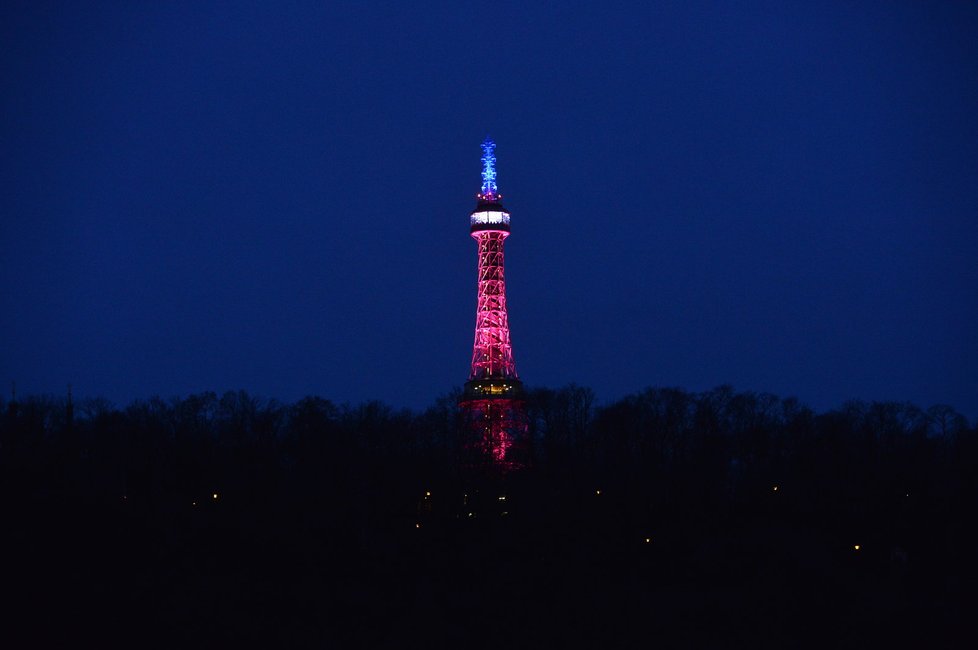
column 720, row 518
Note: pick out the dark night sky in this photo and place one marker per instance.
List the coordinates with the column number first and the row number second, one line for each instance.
column 275, row 197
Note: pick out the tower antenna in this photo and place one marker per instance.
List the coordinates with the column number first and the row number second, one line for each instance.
column 490, row 191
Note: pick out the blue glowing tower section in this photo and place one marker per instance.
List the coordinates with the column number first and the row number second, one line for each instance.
column 490, row 191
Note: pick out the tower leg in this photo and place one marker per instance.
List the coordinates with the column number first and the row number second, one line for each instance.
column 495, row 435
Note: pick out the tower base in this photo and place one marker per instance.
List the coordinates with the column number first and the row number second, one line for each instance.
column 495, row 434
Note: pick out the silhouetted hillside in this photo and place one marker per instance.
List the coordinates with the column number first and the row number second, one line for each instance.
column 715, row 519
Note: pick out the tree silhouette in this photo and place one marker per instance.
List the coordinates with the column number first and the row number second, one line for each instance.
column 208, row 518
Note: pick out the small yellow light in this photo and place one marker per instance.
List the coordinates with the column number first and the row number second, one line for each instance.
column 194, row 503
column 775, row 488
column 471, row 515
column 597, row 492
column 427, row 494
column 855, row 547
column 648, row 540
column 417, row 525
column 502, row 498
column 215, row 496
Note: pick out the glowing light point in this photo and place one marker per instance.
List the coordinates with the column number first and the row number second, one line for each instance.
column 775, row 488
column 214, row 496
column 855, row 547
column 597, row 492
column 648, row 540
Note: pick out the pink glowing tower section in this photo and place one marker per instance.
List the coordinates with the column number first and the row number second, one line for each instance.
column 493, row 396
column 492, row 352
column 495, row 434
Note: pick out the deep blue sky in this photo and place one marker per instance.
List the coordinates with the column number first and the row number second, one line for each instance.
column 275, row 196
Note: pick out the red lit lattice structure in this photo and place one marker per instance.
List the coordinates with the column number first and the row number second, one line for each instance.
column 492, row 401
column 492, row 352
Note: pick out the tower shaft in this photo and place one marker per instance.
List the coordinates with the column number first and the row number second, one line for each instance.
column 492, row 351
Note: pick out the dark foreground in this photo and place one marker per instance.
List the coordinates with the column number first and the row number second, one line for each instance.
column 627, row 530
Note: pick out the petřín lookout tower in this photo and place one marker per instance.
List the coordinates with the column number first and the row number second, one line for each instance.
column 493, row 399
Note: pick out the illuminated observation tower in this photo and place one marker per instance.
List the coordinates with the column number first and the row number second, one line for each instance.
column 492, row 400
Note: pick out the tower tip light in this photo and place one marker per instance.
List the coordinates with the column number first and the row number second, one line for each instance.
column 490, row 191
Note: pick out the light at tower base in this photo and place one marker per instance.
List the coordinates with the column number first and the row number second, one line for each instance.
column 497, row 435
column 495, row 423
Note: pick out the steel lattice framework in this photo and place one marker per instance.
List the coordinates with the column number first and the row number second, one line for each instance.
column 496, row 434
column 492, row 352
column 493, row 397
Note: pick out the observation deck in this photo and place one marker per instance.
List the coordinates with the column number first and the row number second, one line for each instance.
column 489, row 215
column 492, row 389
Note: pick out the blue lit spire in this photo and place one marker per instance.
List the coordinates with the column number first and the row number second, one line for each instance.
column 490, row 192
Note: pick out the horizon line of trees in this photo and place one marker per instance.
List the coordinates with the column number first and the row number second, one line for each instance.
column 565, row 411
column 719, row 438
